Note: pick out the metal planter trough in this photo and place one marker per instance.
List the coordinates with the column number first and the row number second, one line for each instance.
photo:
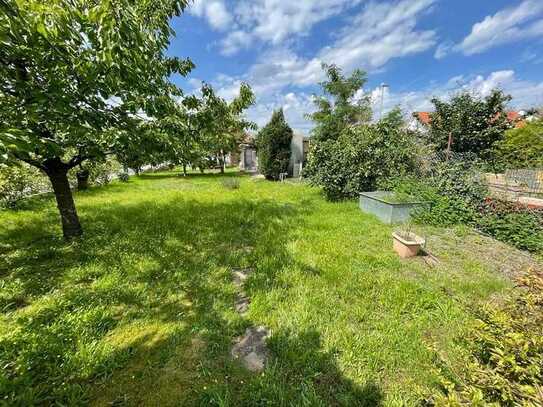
column 388, row 209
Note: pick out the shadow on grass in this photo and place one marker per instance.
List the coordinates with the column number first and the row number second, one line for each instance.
column 300, row 373
column 140, row 312
column 191, row 175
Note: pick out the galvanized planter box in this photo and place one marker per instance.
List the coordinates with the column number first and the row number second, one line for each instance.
column 382, row 205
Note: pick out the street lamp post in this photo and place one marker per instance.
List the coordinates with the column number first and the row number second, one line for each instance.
column 383, row 87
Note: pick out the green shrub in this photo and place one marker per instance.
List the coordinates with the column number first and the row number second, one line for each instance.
column 273, row 144
column 459, row 177
column 512, row 223
column 457, row 196
column 453, row 189
column 506, row 366
column 441, row 209
column 19, row 181
column 522, row 147
column 102, row 173
column 362, row 158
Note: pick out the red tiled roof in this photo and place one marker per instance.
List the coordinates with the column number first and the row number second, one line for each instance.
column 512, row 117
column 516, row 119
column 424, row 117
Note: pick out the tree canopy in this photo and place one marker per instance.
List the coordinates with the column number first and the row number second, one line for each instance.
column 473, row 123
column 75, row 73
column 273, row 144
column 221, row 124
column 363, row 156
column 341, row 104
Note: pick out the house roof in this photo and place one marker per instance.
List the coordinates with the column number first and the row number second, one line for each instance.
column 423, row 117
column 513, row 117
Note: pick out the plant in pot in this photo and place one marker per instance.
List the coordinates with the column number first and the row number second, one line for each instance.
column 406, row 243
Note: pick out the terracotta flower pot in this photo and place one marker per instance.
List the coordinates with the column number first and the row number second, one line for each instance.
column 407, row 244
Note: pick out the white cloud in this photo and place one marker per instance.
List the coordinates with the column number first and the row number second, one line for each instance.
column 295, row 106
column 214, row 11
column 379, row 33
column 530, row 56
column 280, row 68
column 443, row 49
column 269, row 21
column 382, row 31
column 507, row 26
column 483, row 86
column 275, row 20
column 235, row 41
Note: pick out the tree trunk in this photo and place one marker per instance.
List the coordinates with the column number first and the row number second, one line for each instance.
column 57, row 172
column 82, row 180
column 221, row 161
column 184, row 170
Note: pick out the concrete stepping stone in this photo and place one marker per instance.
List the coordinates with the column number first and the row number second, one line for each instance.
column 242, row 301
column 241, row 275
column 242, row 304
column 251, row 349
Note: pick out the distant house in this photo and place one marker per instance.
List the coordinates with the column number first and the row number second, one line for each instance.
column 248, row 160
column 420, row 122
column 299, row 148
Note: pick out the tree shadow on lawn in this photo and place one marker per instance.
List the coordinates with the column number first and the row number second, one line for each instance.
column 190, row 175
column 141, row 310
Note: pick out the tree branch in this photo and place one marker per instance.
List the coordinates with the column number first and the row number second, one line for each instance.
column 75, row 161
column 29, row 161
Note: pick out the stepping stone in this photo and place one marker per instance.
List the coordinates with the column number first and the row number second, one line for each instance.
column 251, row 348
column 240, row 275
column 242, row 304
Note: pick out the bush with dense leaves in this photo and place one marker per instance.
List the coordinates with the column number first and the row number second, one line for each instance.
column 513, row 223
column 456, row 194
column 506, row 366
column 273, row 144
column 440, row 209
column 453, row 189
column 361, row 158
column 19, row 181
column 101, row 173
column 522, row 147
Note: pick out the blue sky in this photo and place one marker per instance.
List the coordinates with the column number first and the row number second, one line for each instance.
column 421, row 48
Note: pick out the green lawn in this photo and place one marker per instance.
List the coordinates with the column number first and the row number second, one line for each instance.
column 140, row 312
